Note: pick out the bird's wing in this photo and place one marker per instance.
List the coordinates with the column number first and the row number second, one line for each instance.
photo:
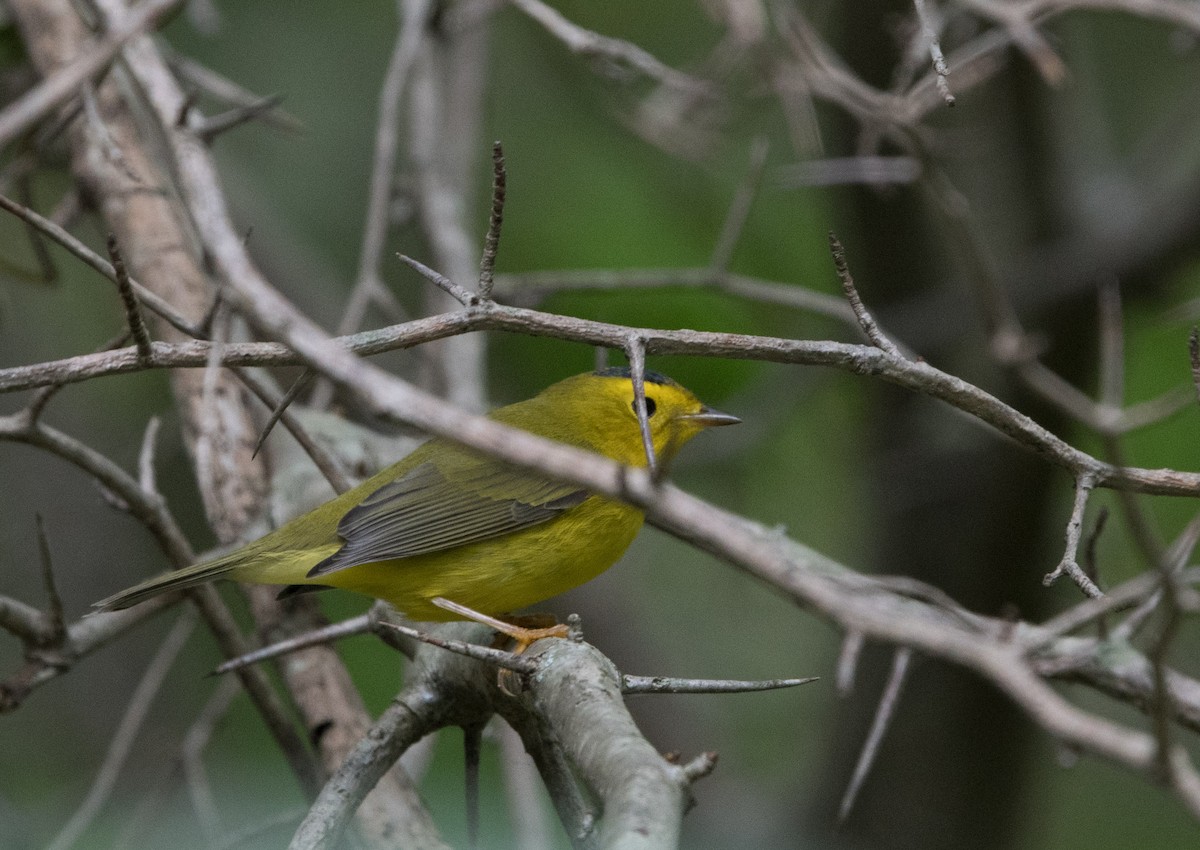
column 429, row 510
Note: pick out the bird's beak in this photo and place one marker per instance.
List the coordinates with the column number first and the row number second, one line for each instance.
column 709, row 418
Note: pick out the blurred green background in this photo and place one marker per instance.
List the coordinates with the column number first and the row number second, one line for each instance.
column 1062, row 180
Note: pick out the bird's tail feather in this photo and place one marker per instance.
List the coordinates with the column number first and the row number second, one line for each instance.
column 178, row 580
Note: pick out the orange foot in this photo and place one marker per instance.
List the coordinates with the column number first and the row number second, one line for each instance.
column 523, row 635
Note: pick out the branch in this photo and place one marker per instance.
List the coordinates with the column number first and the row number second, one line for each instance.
column 38, row 102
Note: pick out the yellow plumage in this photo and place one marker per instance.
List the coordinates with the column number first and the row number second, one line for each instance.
column 446, row 522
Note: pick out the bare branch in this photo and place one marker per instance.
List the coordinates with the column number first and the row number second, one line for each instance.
column 1069, row 565
column 491, row 242
column 935, row 51
column 133, row 311
column 847, row 663
column 635, row 350
column 588, row 43
column 879, row 726
column 55, row 620
column 739, row 208
column 458, row 293
column 634, row 685
column 66, row 83
column 126, row 733
column 387, row 143
column 498, row 657
column 864, row 318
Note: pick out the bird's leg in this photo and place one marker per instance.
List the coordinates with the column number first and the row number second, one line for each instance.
column 524, row 635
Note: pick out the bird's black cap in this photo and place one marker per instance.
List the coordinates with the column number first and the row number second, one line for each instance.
column 650, row 376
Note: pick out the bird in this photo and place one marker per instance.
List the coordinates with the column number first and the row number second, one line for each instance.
column 446, row 533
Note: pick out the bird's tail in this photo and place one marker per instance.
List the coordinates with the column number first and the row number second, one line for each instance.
column 178, row 580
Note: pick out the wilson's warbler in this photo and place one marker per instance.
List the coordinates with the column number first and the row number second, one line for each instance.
column 446, row 522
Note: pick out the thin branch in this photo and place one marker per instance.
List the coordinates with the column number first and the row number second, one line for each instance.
column 146, row 477
column 847, row 663
column 1069, row 565
column 915, row 375
column 498, row 657
column 879, row 726
column 864, row 318
column 222, row 88
column 321, row 457
column 44, row 225
column 412, row 32
column 935, row 51
column 359, row 625
column 210, row 128
column 588, row 43
column 635, row 685
column 38, row 102
column 133, row 311
column 191, row 753
column 458, row 293
column 739, row 208
column 55, row 619
column 635, row 350
column 126, row 733
column 491, row 242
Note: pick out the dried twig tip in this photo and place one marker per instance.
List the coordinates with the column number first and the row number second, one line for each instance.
column 865, row 321
column 133, row 310
column 491, row 242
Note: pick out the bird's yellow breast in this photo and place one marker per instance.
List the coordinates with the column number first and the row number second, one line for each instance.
column 504, row 574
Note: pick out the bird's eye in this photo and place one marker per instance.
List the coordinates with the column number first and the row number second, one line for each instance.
column 651, row 406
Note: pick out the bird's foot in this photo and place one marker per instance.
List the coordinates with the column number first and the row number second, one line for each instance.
column 524, row 630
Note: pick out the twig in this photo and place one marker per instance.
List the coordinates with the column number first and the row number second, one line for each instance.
column 1091, row 565
column 914, row 375
column 218, row 86
column 588, row 43
column 849, row 170
column 506, row 660
column 935, row 52
column 441, row 689
column 635, row 685
column 635, row 350
column 66, row 83
column 210, row 128
column 322, row 458
column 847, row 663
column 860, row 311
column 739, row 208
column 293, row 392
column 409, row 37
column 191, row 754
column 55, row 619
column 126, row 733
column 883, row 718
column 458, row 293
column 359, row 625
column 159, row 306
column 133, row 312
column 1069, row 565
column 146, row 477
column 491, row 242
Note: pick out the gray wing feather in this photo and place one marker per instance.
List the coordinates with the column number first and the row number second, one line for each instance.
column 423, row 512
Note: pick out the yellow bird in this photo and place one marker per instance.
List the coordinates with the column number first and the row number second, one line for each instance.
column 447, row 523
